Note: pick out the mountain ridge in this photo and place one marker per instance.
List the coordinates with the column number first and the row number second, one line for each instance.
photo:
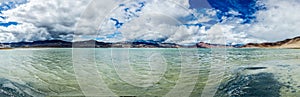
column 288, row 43
column 292, row 43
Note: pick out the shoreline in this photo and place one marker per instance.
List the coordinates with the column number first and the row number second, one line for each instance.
column 6, row 48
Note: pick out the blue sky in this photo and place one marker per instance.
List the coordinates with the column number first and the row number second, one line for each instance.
column 178, row 21
column 7, row 5
column 246, row 8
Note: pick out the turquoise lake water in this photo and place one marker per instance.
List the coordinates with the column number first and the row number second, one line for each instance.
column 150, row 72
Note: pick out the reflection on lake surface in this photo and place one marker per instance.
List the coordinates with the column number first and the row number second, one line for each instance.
column 150, row 72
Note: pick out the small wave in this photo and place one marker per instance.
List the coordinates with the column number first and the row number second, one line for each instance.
column 12, row 89
column 253, row 85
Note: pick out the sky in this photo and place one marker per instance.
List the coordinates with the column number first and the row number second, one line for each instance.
column 167, row 21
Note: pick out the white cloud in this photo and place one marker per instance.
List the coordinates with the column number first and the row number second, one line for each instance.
column 41, row 20
column 274, row 24
column 158, row 19
column 278, row 22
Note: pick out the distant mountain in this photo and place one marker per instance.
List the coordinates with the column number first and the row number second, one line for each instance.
column 96, row 44
column 208, row 45
column 41, row 44
column 288, row 43
column 90, row 44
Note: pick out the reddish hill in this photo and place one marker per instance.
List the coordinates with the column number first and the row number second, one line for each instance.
column 288, row 43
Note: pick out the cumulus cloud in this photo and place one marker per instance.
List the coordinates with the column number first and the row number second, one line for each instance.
column 277, row 22
column 157, row 20
column 165, row 21
column 57, row 19
column 9, row 4
column 42, row 20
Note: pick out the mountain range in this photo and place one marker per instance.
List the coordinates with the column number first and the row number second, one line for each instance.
column 293, row 43
column 288, row 43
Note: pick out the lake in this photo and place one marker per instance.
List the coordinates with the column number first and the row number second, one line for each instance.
column 150, row 72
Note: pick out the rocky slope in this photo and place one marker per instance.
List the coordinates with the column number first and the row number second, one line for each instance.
column 293, row 43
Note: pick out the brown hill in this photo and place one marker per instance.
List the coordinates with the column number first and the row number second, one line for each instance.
column 288, row 43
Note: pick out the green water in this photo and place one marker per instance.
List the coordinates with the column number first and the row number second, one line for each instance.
column 156, row 72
